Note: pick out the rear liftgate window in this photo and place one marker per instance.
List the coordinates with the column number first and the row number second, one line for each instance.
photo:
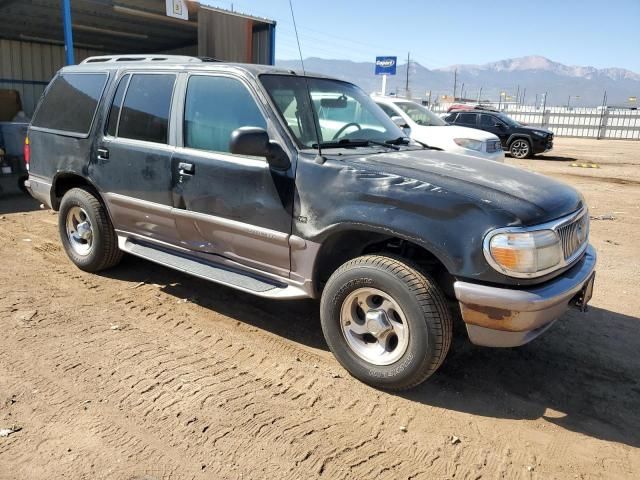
column 71, row 102
column 145, row 113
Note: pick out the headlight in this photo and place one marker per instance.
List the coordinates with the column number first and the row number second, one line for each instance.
column 524, row 254
column 540, row 134
column 469, row 143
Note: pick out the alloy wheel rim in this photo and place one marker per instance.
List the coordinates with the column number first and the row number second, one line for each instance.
column 520, row 149
column 374, row 326
column 79, row 230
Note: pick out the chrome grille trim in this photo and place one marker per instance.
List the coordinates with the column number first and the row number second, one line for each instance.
column 574, row 235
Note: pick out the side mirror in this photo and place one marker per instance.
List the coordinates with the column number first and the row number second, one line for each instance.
column 499, row 125
column 399, row 121
column 254, row 141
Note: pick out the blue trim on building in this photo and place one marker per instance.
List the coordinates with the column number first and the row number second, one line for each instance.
column 272, row 42
column 68, row 32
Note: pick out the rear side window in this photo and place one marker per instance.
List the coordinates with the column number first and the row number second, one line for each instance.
column 71, row 102
column 215, row 107
column 466, row 118
column 145, row 112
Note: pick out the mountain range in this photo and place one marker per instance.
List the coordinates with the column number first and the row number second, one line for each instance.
column 531, row 75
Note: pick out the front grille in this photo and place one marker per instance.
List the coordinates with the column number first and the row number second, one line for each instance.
column 574, row 235
column 493, row 146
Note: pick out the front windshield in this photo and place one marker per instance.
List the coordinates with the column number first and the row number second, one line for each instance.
column 508, row 120
column 345, row 114
column 421, row 115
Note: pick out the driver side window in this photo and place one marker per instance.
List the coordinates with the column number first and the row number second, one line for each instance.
column 215, row 107
column 488, row 121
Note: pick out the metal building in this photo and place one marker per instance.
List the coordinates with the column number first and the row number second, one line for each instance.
column 33, row 37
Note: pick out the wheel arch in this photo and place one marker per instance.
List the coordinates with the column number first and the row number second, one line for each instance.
column 65, row 181
column 350, row 241
column 518, row 136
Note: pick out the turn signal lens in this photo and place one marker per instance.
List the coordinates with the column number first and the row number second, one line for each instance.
column 526, row 252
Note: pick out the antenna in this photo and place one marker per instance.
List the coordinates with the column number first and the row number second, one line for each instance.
column 316, row 127
column 295, row 28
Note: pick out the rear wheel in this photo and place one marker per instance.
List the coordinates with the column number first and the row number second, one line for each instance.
column 520, row 148
column 386, row 322
column 86, row 231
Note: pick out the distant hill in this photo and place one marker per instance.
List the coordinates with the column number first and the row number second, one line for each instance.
column 536, row 74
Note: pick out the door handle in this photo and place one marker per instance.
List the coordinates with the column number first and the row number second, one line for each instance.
column 103, row 154
column 186, row 168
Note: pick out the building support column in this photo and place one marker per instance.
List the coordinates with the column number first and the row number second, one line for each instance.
column 68, row 32
column 272, row 44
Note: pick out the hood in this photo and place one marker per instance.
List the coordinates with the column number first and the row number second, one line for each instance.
column 529, row 197
column 537, row 129
column 450, row 132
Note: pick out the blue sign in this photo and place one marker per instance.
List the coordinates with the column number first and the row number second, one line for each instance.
column 386, row 65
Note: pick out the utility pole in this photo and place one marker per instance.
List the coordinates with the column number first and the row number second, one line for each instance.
column 407, row 82
column 462, row 92
column 455, row 83
column 524, row 94
column 480, row 95
column 518, row 95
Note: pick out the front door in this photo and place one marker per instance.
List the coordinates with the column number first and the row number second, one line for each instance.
column 493, row 125
column 132, row 167
column 229, row 205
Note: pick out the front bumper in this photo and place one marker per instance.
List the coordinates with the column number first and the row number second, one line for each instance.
column 503, row 317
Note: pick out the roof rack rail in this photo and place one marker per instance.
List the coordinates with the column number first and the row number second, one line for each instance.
column 141, row 58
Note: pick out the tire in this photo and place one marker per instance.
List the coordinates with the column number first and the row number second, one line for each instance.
column 521, row 148
column 93, row 251
column 417, row 351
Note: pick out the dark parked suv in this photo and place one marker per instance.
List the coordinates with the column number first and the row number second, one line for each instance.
column 519, row 140
column 290, row 186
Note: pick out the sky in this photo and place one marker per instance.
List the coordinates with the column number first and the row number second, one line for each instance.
column 574, row 32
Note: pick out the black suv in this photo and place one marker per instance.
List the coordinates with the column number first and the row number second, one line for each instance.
column 290, row 186
column 519, row 140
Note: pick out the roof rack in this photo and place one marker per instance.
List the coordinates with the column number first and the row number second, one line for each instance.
column 141, row 58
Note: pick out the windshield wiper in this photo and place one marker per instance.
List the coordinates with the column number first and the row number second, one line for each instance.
column 427, row 146
column 347, row 142
column 399, row 141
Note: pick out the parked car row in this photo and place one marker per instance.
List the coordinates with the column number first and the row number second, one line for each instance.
column 479, row 131
column 291, row 185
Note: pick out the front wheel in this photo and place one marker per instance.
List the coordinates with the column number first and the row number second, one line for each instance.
column 520, row 148
column 387, row 323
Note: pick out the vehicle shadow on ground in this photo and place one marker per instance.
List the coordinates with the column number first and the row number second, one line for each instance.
column 16, row 203
column 555, row 158
column 581, row 375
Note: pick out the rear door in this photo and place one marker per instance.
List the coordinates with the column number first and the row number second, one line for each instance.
column 133, row 157
column 467, row 119
column 229, row 205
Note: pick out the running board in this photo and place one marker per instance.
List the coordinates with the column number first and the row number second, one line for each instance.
column 240, row 281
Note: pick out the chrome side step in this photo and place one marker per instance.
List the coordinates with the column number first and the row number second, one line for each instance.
column 262, row 287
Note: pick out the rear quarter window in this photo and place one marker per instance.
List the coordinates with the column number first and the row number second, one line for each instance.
column 71, row 102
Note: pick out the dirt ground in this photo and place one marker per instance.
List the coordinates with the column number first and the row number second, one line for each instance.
column 144, row 373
